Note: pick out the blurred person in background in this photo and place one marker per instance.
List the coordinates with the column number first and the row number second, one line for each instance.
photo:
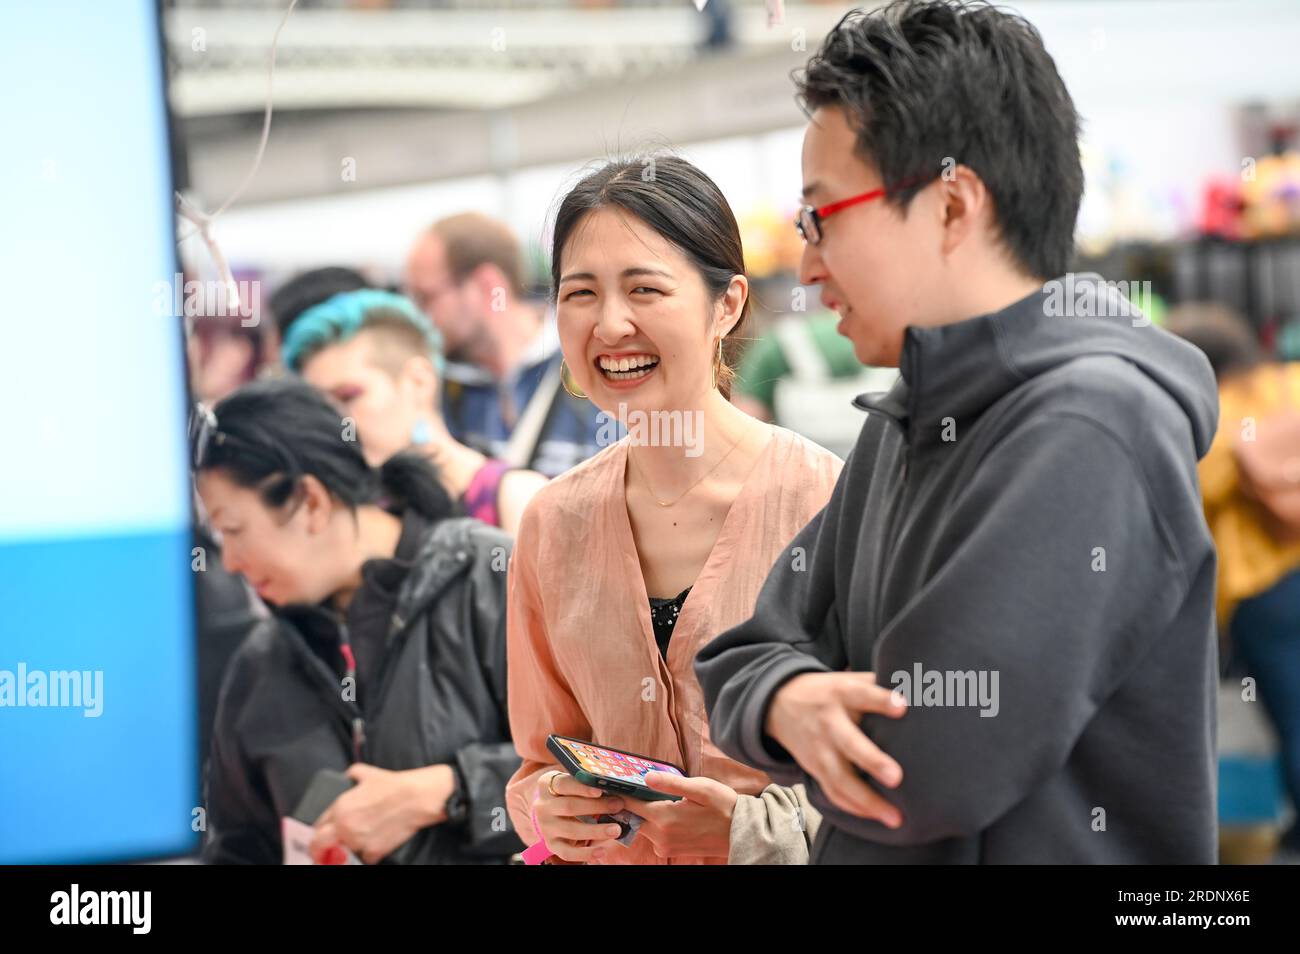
column 380, row 360
column 501, row 387
column 629, row 563
column 766, row 365
column 311, row 288
column 385, row 654
column 803, row 375
column 222, row 355
column 1257, row 534
column 225, row 612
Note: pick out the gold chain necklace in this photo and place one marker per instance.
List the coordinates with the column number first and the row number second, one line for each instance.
column 669, row 503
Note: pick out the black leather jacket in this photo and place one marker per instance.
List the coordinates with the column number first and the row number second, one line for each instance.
column 439, row 697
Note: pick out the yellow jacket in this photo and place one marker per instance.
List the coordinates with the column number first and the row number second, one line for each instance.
column 1250, row 560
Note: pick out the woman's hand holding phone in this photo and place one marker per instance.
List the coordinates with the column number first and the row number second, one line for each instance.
column 697, row 826
column 557, row 816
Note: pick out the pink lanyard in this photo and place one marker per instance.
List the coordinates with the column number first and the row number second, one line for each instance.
column 536, row 853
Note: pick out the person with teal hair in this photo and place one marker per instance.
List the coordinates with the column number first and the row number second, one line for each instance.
column 341, row 316
column 380, row 359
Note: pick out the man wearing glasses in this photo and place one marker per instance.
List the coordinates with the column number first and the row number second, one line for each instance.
column 501, row 388
column 1016, row 547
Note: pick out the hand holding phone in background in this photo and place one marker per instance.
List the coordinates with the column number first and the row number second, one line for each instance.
column 382, row 811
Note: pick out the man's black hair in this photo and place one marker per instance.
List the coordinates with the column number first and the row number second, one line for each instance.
column 924, row 81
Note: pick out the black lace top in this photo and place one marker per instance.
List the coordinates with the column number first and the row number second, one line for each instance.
column 663, row 614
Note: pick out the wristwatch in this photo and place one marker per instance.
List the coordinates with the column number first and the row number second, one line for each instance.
column 457, row 804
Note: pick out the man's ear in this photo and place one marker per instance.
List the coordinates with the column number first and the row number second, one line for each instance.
column 964, row 206
column 490, row 282
column 317, row 504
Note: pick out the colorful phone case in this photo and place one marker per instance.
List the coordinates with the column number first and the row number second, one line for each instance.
column 612, row 785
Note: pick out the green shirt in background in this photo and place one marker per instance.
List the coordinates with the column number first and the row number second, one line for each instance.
column 764, row 363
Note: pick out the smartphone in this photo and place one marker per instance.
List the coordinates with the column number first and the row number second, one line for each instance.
column 618, row 772
column 325, row 786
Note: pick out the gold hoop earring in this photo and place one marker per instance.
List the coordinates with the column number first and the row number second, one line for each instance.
column 565, row 378
column 717, row 364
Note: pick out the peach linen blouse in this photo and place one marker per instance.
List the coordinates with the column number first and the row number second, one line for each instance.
column 582, row 657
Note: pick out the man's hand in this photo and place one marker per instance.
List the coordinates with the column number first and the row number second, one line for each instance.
column 815, row 716
column 697, row 826
column 382, row 811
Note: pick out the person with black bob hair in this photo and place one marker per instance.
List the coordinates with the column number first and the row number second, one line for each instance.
column 384, row 657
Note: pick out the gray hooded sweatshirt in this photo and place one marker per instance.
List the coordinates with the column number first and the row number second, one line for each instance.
column 1017, row 544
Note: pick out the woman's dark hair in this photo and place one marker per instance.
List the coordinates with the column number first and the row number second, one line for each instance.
column 679, row 202
column 924, row 81
column 271, row 433
column 311, row 288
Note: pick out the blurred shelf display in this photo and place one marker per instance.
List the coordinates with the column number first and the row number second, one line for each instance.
column 449, row 54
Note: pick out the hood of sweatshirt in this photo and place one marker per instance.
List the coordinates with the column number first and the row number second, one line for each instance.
column 958, row 371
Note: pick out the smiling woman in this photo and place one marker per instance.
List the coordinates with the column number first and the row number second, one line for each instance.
column 672, row 538
column 692, row 254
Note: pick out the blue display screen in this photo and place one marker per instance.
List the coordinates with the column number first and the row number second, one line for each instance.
column 97, row 687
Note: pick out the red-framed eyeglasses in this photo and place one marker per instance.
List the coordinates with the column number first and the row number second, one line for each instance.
column 809, row 221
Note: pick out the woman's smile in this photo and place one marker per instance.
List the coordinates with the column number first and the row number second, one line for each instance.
column 626, row 371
